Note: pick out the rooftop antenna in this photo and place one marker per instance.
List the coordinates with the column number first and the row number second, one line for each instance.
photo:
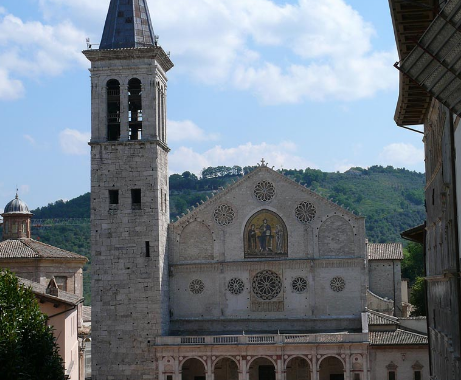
column 89, row 45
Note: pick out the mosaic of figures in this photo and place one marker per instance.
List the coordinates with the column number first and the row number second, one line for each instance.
column 265, row 235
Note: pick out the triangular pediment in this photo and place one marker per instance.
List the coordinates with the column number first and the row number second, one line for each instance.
column 265, row 181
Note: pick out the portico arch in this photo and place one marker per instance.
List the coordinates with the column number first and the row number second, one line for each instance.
column 226, row 368
column 331, row 367
column 193, row 369
column 261, row 368
column 298, row 367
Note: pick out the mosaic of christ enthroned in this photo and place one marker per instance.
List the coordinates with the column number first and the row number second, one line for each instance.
column 265, row 235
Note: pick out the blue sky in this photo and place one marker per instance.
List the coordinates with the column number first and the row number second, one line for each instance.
column 300, row 83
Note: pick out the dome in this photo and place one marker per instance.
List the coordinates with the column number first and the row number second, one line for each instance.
column 16, row 206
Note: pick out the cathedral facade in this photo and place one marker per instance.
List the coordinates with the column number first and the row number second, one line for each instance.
column 265, row 281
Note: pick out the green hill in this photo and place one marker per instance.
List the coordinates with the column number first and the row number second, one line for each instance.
column 392, row 200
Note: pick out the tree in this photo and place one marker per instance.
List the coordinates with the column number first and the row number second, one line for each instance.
column 27, row 346
column 418, row 297
column 413, row 262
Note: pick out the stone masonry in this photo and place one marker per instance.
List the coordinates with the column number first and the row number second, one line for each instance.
column 129, row 264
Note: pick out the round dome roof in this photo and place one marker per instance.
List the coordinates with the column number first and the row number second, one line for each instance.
column 16, row 206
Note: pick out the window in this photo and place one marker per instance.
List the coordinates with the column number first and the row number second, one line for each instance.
column 391, row 375
column 23, row 227
column 417, row 375
column 61, row 282
column 136, row 199
column 113, row 110
column 356, row 376
column 14, row 228
column 6, row 227
column 135, row 109
column 147, row 249
column 113, row 197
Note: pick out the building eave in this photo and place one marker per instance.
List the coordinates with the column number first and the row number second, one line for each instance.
column 152, row 52
column 410, row 21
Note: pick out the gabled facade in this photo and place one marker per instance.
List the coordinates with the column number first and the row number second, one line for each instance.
column 267, row 228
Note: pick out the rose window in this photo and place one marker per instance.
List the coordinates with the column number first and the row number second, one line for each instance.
column 196, row 286
column 266, row 285
column 337, row 284
column 224, row 215
column 305, row 212
column 299, row 284
column 235, row 286
column 264, row 191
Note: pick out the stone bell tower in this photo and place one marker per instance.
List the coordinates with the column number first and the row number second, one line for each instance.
column 129, row 194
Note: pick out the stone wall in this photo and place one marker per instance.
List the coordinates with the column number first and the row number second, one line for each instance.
column 316, row 264
column 385, row 281
column 129, row 266
column 405, row 360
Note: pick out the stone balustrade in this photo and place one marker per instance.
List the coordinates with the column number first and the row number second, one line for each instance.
column 262, row 339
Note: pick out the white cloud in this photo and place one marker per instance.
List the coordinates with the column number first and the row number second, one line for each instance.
column 401, row 154
column 277, row 155
column 344, row 165
column 33, row 49
column 327, row 47
column 74, row 142
column 187, row 130
column 10, row 89
column 30, row 139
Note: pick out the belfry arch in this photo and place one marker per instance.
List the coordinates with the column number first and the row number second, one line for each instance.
column 113, row 109
column 135, row 109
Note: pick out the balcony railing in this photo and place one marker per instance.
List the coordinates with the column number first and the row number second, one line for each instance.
column 262, row 339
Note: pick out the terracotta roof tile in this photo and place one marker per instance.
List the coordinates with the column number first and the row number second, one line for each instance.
column 375, row 318
column 40, row 290
column 385, row 251
column 30, row 248
column 86, row 313
column 397, row 337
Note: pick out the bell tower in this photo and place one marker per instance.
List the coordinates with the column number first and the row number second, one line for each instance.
column 129, row 194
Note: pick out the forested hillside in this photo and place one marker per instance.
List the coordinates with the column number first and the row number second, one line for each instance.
column 392, row 200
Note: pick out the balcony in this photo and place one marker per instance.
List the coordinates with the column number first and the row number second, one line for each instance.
column 261, row 339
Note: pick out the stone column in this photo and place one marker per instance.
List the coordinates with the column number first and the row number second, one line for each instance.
column 123, row 112
column 160, row 368
column 243, row 373
column 315, row 374
column 348, row 367
column 365, row 367
column 278, row 370
column 209, row 369
column 176, row 375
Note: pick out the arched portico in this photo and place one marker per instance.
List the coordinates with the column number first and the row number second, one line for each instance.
column 226, row 368
column 262, row 368
column 193, row 369
column 331, row 368
column 298, row 368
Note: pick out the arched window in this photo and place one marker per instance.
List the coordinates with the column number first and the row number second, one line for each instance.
column 135, row 109
column 162, row 102
column 159, row 113
column 113, row 110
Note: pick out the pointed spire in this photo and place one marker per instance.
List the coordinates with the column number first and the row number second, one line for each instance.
column 128, row 25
